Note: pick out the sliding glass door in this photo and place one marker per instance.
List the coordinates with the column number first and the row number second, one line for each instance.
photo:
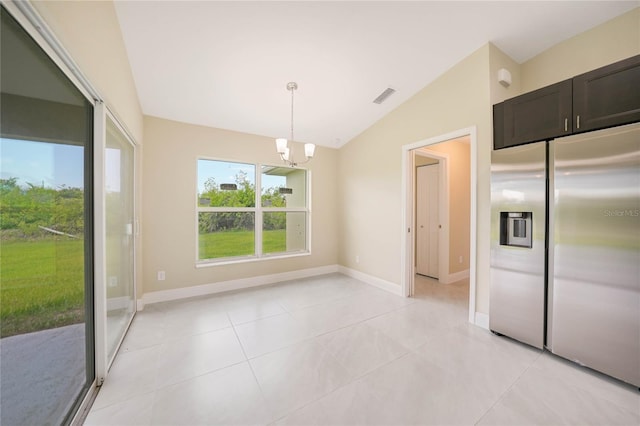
column 46, row 230
column 119, row 215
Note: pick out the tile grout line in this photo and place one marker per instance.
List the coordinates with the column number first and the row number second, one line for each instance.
column 350, row 382
column 501, row 397
column 253, row 373
column 311, row 338
column 354, row 380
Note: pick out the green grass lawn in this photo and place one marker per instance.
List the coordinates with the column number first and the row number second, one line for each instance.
column 42, row 281
column 41, row 285
column 240, row 243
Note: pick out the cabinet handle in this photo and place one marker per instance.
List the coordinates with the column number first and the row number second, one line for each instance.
column 566, row 122
column 578, row 122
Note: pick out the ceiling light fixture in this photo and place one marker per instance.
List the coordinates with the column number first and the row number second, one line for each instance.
column 286, row 153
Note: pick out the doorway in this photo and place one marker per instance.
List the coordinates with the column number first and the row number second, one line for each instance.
column 457, row 235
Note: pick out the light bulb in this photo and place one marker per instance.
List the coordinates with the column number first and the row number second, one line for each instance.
column 281, row 145
column 309, row 149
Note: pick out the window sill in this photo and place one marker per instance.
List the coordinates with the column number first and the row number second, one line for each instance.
column 211, row 263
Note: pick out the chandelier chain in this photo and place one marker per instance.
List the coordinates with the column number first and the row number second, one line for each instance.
column 292, row 88
column 286, row 153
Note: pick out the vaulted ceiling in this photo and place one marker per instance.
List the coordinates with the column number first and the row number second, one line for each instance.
column 227, row 64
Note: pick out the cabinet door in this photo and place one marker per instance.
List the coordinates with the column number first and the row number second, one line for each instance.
column 539, row 115
column 498, row 126
column 608, row 96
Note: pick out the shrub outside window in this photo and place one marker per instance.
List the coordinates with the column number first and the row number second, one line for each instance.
column 236, row 222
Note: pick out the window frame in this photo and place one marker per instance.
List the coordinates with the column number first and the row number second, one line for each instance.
column 258, row 211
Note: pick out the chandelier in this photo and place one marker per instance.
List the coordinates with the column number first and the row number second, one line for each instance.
column 286, row 153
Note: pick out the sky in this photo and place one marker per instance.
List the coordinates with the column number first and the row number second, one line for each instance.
column 225, row 172
column 42, row 164
column 55, row 165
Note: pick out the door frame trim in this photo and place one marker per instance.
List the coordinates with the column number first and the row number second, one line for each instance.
column 407, row 255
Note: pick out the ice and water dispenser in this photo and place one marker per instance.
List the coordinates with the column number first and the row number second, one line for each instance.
column 515, row 229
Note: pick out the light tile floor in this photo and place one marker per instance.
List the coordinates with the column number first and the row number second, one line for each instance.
column 331, row 350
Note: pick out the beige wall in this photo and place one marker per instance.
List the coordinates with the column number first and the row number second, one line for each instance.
column 90, row 32
column 365, row 205
column 370, row 170
column 424, row 161
column 612, row 41
column 459, row 164
column 171, row 152
column 370, row 164
column 497, row 60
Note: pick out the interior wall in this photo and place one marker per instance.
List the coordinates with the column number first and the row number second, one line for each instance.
column 424, row 161
column 369, row 166
column 370, row 171
column 459, row 164
column 612, row 41
column 498, row 60
column 90, row 32
column 170, row 178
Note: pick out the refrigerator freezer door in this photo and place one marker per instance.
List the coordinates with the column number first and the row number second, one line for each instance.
column 595, row 282
column 518, row 190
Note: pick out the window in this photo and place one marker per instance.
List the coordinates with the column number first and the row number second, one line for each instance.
column 236, row 222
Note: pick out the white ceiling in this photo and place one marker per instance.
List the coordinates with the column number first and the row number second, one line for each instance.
column 226, row 64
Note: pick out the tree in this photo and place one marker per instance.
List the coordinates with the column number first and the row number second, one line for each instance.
column 243, row 196
column 28, row 208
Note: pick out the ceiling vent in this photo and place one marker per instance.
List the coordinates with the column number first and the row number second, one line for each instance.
column 384, row 95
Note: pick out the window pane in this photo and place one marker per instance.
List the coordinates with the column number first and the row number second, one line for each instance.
column 226, row 184
column 119, row 236
column 284, row 187
column 225, row 234
column 284, row 232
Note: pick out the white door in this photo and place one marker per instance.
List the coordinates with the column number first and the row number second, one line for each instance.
column 427, row 220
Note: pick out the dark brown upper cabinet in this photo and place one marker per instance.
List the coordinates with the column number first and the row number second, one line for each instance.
column 539, row 115
column 608, row 96
column 498, row 126
column 605, row 97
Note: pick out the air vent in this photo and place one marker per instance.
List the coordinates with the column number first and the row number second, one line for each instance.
column 384, row 95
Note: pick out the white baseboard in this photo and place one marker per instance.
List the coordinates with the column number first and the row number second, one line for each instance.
column 482, row 320
column 223, row 286
column 115, row 303
column 371, row 280
column 456, row 276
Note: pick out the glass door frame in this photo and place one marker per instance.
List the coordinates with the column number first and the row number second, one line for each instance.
column 27, row 16
column 101, row 115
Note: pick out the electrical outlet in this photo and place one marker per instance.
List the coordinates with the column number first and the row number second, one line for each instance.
column 161, row 276
column 113, row 282
column 460, row 259
column 357, row 259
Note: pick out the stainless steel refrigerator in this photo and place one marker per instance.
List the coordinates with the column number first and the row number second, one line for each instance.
column 565, row 248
